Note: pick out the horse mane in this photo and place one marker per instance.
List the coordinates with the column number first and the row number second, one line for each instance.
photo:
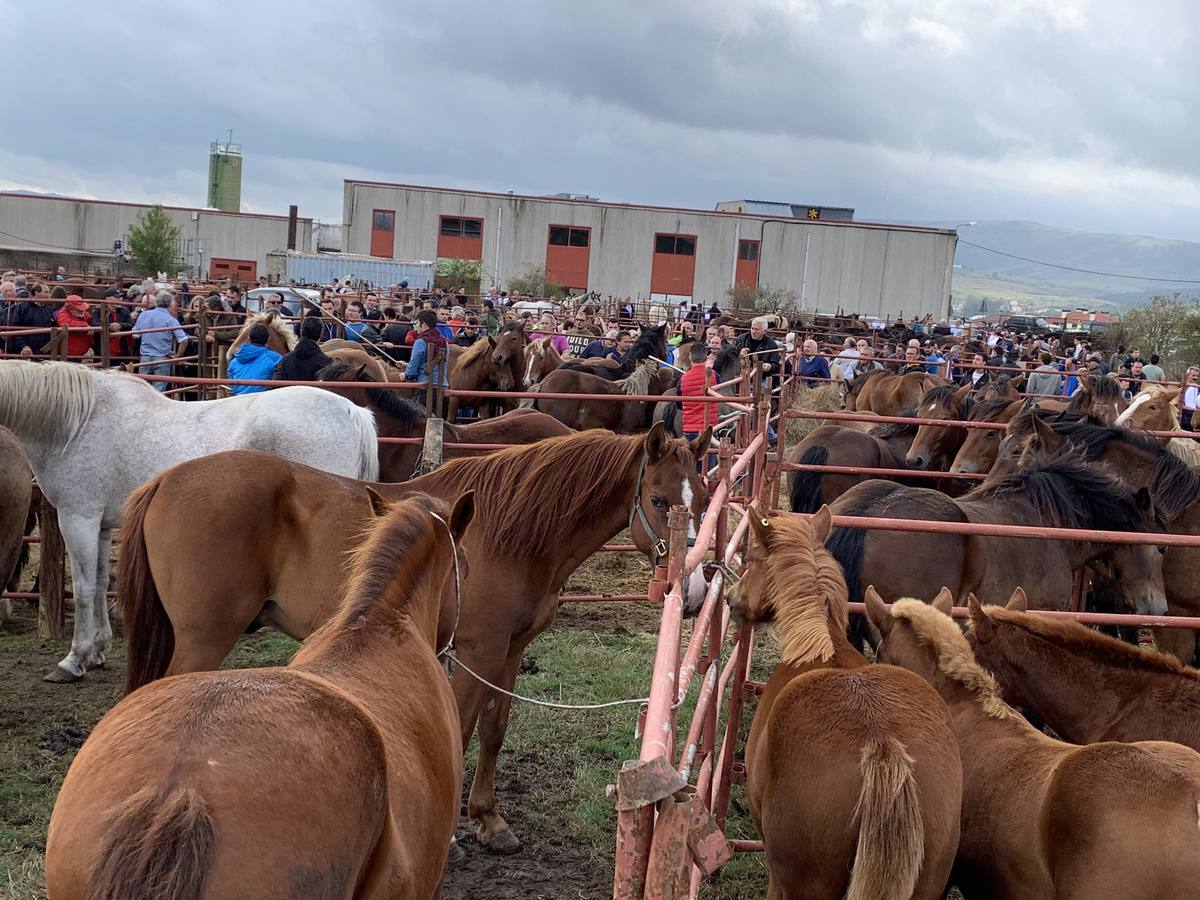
column 954, row 658
column 390, row 402
column 1075, row 638
column 50, row 401
column 1068, row 493
column 477, row 351
column 528, row 498
column 943, row 395
column 806, row 587
column 1174, row 484
column 896, row 429
column 638, row 382
column 989, row 410
column 392, row 550
column 1102, row 388
column 274, row 322
column 646, row 345
column 859, row 382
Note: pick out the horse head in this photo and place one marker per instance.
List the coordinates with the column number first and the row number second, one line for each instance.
column 934, row 442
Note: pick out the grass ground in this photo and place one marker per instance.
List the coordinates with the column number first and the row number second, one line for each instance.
column 553, row 770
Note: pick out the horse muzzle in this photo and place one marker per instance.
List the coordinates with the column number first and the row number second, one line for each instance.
column 1151, row 602
column 918, row 461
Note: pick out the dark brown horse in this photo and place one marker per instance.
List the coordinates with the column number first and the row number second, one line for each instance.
column 1061, row 491
column 398, row 417
column 1086, row 686
column 1043, row 819
column 621, row 416
column 1101, row 398
column 887, row 393
column 338, row 776
column 934, row 446
column 853, row 773
column 537, row 519
column 882, row 447
column 487, row 365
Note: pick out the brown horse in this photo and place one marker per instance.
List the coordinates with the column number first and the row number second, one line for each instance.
column 537, row 520
column 979, row 448
column 881, row 447
column 1101, row 398
column 1142, row 463
column 396, row 416
column 934, row 446
column 540, row 360
column 1060, row 491
column 337, row 776
column 1043, row 819
column 371, row 367
column 887, row 393
column 1155, row 409
column 622, row 416
column 853, row 774
column 282, row 339
column 16, row 493
column 476, row 369
column 1086, row 686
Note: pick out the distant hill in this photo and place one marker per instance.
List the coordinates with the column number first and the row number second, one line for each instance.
column 980, row 274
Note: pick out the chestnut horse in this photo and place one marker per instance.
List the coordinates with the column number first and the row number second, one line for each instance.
column 1142, row 463
column 397, row 416
column 485, row 366
column 835, row 444
column 1061, row 491
column 887, row 393
column 852, row 770
column 1085, row 685
column 541, row 359
column 935, row 445
column 1101, row 398
column 1043, row 819
column 1154, row 409
column 537, row 520
column 337, row 776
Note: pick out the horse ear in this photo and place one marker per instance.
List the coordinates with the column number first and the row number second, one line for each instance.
column 462, row 514
column 760, row 524
column 944, row 601
column 491, row 342
column 655, row 444
column 962, row 393
column 1172, row 395
column 360, row 373
column 379, row 506
column 821, row 524
column 700, row 445
column 877, row 612
column 1018, row 602
column 1043, row 437
column 1142, row 500
column 1086, row 380
column 975, row 610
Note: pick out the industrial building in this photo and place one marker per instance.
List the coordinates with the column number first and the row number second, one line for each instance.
column 818, row 253
column 41, row 231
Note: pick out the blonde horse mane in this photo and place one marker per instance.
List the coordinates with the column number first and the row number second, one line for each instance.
column 1186, row 449
column 474, row 353
column 806, row 588
column 639, row 381
column 954, row 657
column 49, row 401
column 274, row 322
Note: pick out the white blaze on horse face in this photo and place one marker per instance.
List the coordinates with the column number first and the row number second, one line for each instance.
column 687, row 496
column 529, row 357
column 1134, row 404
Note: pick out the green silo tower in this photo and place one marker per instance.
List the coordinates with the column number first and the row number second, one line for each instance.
column 225, row 176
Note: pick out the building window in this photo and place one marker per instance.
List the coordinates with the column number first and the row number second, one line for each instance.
column 565, row 236
column 748, row 250
column 384, row 220
column 454, row 226
column 675, row 244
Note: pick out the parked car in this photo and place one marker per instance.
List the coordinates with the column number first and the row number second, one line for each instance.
column 293, row 298
column 1028, row 325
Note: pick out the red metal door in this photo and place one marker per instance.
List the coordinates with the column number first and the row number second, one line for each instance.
column 383, row 232
column 460, row 238
column 674, row 268
column 567, row 255
column 746, row 272
column 242, row 270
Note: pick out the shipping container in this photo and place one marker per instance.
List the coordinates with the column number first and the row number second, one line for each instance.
column 323, row 268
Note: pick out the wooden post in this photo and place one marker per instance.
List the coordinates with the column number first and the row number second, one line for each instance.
column 105, row 360
column 52, row 615
column 202, row 350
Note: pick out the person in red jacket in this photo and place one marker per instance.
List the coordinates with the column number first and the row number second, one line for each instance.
column 695, row 383
column 76, row 314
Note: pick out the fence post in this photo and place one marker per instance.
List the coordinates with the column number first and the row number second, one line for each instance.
column 202, row 350
column 105, row 359
column 52, row 615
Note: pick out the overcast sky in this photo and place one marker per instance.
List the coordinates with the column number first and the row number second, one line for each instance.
column 1069, row 112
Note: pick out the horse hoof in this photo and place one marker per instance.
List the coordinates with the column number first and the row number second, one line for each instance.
column 59, row 675
column 502, row 843
column 456, row 856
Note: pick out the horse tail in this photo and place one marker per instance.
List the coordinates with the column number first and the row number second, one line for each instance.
column 891, row 832
column 846, row 546
column 156, row 846
column 149, row 637
column 363, row 424
column 806, row 486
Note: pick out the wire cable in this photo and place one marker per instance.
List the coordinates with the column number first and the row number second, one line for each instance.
column 1038, row 262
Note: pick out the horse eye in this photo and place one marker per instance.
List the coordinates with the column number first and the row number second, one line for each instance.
column 659, row 502
column 993, row 434
column 1162, row 550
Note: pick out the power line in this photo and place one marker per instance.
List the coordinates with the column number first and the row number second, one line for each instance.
column 1038, row 262
column 54, row 246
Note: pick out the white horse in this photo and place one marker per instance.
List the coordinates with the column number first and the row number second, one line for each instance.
column 94, row 436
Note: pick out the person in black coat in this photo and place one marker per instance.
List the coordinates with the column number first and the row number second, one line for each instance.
column 26, row 312
column 306, row 360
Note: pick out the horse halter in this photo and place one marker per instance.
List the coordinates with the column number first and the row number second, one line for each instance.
column 457, row 588
column 658, row 546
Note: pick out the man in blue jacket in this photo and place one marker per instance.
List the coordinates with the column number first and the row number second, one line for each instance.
column 430, row 340
column 253, row 361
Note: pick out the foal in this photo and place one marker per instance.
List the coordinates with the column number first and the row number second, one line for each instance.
column 337, row 776
column 1086, row 686
column 853, row 773
column 1043, row 819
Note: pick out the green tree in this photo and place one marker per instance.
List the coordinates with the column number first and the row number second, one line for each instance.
column 761, row 298
column 154, row 242
column 1168, row 326
column 535, row 282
